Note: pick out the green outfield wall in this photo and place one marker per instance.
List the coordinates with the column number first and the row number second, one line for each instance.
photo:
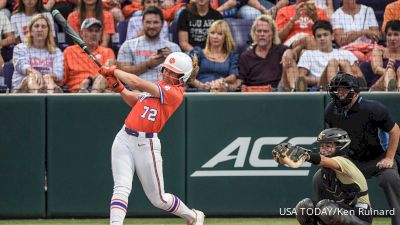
column 216, row 150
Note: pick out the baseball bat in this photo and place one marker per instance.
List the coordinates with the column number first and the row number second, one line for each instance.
column 73, row 35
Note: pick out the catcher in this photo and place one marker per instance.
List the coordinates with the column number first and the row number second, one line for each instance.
column 346, row 200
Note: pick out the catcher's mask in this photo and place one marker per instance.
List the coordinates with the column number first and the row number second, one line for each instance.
column 343, row 80
column 180, row 63
column 337, row 136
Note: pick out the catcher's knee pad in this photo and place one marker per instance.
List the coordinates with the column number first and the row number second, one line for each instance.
column 332, row 214
column 304, row 212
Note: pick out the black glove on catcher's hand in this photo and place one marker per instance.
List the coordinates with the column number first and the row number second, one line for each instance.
column 291, row 155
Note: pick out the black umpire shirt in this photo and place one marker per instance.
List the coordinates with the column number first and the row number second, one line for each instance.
column 362, row 122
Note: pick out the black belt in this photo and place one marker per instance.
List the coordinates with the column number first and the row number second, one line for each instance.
column 138, row 134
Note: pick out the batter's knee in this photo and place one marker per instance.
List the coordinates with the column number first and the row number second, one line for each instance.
column 304, row 212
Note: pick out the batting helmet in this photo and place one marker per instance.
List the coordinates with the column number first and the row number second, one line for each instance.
column 337, row 136
column 343, row 80
column 179, row 63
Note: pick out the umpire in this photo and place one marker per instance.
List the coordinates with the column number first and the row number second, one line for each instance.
column 374, row 135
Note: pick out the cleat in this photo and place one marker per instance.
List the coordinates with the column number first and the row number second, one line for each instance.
column 199, row 217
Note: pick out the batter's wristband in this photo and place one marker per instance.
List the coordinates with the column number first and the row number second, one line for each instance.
column 315, row 158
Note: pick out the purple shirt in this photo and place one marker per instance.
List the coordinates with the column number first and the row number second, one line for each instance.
column 254, row 70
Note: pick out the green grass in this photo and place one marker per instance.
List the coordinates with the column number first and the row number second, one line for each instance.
column 165, row 221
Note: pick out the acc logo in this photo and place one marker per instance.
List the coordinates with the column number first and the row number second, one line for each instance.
column 242, row 145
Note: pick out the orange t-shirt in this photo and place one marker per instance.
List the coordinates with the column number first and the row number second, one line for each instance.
column 169, row 13
column 302, row 25
column 392, row 12
column 108, row 22
column 150, row 114
column 78, row 65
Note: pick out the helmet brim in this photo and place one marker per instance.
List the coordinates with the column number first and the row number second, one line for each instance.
column 173, row 69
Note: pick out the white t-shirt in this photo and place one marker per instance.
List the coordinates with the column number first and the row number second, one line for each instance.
column 316, row 61
column 135, row 26
column 39, row 59
column 321, row 4
column 5, row 25
column 363, row 20
column 20, row 21
column 139, row 49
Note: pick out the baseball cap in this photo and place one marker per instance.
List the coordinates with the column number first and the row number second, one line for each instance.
column 90, row 22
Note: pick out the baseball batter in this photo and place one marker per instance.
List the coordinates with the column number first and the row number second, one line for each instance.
column 136, row 147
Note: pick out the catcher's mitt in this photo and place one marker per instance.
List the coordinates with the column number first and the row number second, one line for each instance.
column 291, row 155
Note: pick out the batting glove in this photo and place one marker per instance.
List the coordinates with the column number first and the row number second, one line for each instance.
column 107, row 71
column 115, row 84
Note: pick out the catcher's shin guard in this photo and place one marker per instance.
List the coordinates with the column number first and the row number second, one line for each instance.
column 331, row 215
column 304, row 212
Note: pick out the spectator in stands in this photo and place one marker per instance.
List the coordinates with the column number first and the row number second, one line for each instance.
column 64, row 6
column 170, row 8
column 24, row 14
column 7, row 32
column 143, row 55
column 260, row 67
column 114, row 7
column 218, row 61
column 385, row 62
column 319, row 66
column 251, row 9
column 93, row 9
column 295, row 22
column 194, row 22
column 355, row 24
column 80, row 72
column 392, row 12
column 326, row 5
column 5, row 8
column 39, row 64
column 135, row 25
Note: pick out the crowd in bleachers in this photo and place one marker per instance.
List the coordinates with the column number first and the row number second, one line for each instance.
column 241, row 45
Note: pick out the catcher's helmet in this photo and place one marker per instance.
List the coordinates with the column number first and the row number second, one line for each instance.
column 343, row 80
column 337, row 136
column 179, row 63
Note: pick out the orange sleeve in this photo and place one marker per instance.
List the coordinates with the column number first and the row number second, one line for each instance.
column 390, row 14
column 109, row 27
column 281, row 19
column 170, row 95
column 107, row 53
column 322, row 14
column 128, row 10
column 66, row 68
column 169, row 13
column 73, row 20
column 110, row 54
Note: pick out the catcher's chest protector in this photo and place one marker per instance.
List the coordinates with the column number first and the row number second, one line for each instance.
column 339, row 192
